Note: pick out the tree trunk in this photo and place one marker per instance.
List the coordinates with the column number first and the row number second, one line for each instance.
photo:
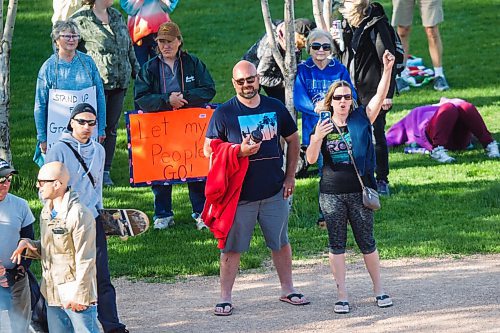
column 327, row 13
column 290, row 59
column 318, row 15
column 288, row 66
column 271, row 35
column 6, row 34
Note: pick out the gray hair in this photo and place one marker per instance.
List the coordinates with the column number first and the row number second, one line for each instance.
column 61, row 26
column 316, row 34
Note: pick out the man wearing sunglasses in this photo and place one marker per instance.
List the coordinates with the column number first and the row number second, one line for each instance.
column 16, row 222
column 266, row 188
column 84, row 159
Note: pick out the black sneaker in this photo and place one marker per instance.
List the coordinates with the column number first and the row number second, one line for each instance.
column 383, row 187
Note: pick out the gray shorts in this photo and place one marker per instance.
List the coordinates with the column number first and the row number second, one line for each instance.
column 272, row 215
column 431, row 12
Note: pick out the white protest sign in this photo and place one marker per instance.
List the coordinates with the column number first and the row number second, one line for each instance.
column 61, row 104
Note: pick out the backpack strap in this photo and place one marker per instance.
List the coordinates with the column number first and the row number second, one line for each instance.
column 82, row 162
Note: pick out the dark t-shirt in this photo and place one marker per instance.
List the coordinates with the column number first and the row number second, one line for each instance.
column 232, row 121
column 339, row 175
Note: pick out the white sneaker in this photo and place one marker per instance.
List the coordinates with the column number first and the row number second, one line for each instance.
column 441, row 155
column 164, row 222
column 492, row 150
column 200, row 225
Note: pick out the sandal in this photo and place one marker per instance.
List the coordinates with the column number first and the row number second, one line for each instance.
column 383, row 301
column 288, row 299
column 341, row 307
column 223, row 312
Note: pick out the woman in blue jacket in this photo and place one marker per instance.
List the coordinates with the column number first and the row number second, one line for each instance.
column 347, row 132
column 314, row 76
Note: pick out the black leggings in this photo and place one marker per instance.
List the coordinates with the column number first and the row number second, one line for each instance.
column 338, row 209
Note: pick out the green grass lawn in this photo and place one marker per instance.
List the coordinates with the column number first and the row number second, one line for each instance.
column 434, row 209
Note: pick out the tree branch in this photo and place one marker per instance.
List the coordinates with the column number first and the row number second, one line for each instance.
column 327, row 13
column 290, row 59
column 10, row 20
column 318, row 15
column 271, row 35
column 1, row 21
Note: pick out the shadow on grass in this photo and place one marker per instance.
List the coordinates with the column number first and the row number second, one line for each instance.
column 416, row 220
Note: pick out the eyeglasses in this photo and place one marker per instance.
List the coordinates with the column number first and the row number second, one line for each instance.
column 347, row 97
column 6, row 179
column 41, row 182
column 82, row 122
column 249, row 80
column 70, row 37
column 325, row 46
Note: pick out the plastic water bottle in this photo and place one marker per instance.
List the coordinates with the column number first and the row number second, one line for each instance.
column 336, row 32
column 416, row 150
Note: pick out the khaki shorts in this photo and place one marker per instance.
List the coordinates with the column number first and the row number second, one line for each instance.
column 431, row 12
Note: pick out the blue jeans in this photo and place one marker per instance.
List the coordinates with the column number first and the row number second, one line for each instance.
column 106, row 294
column 5, row 298
column 68, row 321
column 163, row 198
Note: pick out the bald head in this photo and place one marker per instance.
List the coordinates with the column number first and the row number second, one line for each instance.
column 246, row 82
column 55, row 171
column 244, row 69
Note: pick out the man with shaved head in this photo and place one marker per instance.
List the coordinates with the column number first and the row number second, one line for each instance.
column 85, row 159
column 257, row 123
column 67, row 237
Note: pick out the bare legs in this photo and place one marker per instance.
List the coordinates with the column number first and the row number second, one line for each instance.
column 230, row 262
column 372, row 263
column 435, row 45
column 433, row 38
column 404, row 34
column 337, row 264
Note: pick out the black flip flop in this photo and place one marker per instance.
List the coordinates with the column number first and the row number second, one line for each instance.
column 288, row 299
column 223, row 306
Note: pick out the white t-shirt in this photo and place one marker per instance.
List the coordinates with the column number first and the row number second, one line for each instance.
column 15, row 214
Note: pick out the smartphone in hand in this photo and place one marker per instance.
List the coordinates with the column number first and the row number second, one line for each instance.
column 325, row 115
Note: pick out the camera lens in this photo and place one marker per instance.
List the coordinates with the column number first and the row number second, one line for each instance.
column 256, row 136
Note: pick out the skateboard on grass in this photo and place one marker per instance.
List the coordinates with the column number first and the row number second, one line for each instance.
column 124, row 222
